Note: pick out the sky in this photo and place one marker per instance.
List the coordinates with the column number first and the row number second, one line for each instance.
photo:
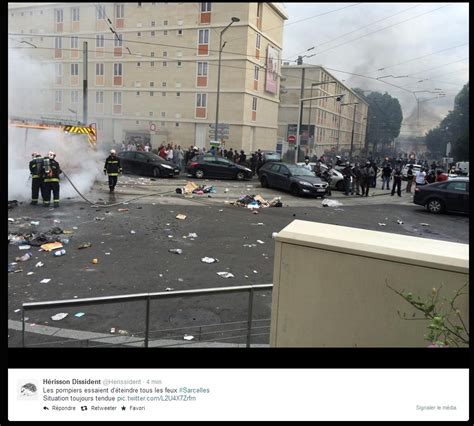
column 342, row 41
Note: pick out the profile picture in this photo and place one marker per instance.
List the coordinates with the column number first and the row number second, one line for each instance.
column 28, row 390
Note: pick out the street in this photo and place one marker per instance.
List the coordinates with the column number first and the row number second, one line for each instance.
column 140, row 262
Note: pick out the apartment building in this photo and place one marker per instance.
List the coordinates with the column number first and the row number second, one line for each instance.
column 153, row 68
column 327, row 124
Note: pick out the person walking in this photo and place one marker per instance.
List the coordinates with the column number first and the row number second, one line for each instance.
column 347, row 173
column 113, row 168
column 253, row 163
column 180, row 158
column 410, row 178
column 397, row 181
column 36, row 170
column 169, row 153
column 356, row 173
column 365, row 179
column 51, row 172
column 374, row 175
column 386, row 174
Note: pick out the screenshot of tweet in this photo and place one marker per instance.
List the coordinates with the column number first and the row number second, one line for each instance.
column 238, row 394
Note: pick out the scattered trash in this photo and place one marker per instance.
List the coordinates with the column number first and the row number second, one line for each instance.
column 60, row 252
column 260, row 242
column 192, row 235
column 17, row 310
column 52, row 246
column 45, row 281
column 221, row 210
column 12, row 204
column 225, row 274
column 274, row 234
column 39, row 265
column 132, row 232
column 84, row 245
column 74, row 227
column 30, row 273
column 382, row 224
column 255, row 272
column 255, row 201
column 24, row 258
column 64, row 240
column 186, row 337
column 56, row 230
column 107, row 254
column 226, row 190
column 56, row 221
column 112, row 330
column 208, row 260
column 59, row 317
column 331, row 203
column 122, row 210
column 99, row 218
column 24, row 247
column 79, row 314
column 177, row 251
column 34, row 223
column 16, row 239
column 123, row 332
column 255, row 212
column 10, row 219
column 181, row 216
column 95, row 261
column 180, row 280
column 169, row 289
column 424, row 224
column 246, row 276
column 400, row 222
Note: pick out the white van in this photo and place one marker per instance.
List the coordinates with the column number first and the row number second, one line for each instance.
column 463, row 167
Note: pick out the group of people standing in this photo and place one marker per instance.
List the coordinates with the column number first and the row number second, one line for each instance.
column 136, row 147
column 45, row 173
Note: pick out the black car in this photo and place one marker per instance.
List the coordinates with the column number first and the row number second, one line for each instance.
column 289, row 177
column 450, row 195
column 212, row 166
column 147, row 164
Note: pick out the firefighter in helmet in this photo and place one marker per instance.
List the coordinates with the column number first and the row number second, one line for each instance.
column 51, row 172
column 36, row 170
column 112, row 167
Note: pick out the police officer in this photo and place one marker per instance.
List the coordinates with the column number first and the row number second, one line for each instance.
column 112, row 167
column 347, row 173
column 36, row 170
column 51, row 174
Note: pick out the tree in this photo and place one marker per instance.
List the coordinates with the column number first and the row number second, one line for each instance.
column 384, row 119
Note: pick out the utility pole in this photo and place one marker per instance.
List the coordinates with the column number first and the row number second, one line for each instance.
column 300, row 118
column 352, row 135
column 84, row 84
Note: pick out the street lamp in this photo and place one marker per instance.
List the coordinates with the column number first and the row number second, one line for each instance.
column 221, row 47
column 353, row 123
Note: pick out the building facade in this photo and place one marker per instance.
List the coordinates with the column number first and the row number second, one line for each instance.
column 152, row 69
column 327, row 124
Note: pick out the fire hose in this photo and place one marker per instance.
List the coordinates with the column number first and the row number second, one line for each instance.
column 116, row 204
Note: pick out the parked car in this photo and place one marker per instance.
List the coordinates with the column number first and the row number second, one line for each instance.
column 289, row 177
column 451, row 195
column 416, row 168
column 270, row 156
column 463, row 167
column 212, row 166
column 337, row 179
column 147, row 164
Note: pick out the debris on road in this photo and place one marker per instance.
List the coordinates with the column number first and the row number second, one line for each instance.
column 169, row 289
column 52, row 246
column 122, row 210
column 45, row 281
column 25, row 247
column 123, row 332
column 331, row 203
column 99, row 218
column 177, row 251
column 225, row 274
column 424, row 224
column 23, row 258
column 79, row 314
column 181, row 216
column 59, row 317
column 400, row 222
column 12, row 204
column 34, row 223
column 60, row 252
column 30, row 273
column 260, row 242
column 39, row 265
column 274, row 234
column 208, row 260
column 84, row 245
column 112, row 330
column 382, row 224
column 186, row 337
column 132, row 232
column 192, row 235
column 95, row 261
column 255, row 272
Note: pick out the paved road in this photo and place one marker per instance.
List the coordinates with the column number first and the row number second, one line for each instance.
column 140, row 262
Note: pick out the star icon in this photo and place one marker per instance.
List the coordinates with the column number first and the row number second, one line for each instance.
column 123, row 408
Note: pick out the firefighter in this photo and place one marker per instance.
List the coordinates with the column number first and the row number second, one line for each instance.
column 112, row 167
column 51, row 172
column 36, row 170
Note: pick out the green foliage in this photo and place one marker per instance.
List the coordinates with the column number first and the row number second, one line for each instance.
column 445, row 324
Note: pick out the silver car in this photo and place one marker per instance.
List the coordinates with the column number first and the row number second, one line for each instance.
column 337, row 180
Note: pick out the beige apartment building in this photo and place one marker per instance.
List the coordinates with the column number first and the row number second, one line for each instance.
column 153, row 67
column 326, row 123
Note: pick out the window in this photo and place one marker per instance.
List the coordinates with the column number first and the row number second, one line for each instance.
column 152, row 94
column 201, row 100
column 152, row 54
column 254, row 104
column 180, row 32
column 58, row 96
column 165, row 32
column 139, row 4
column 152, row 63
column 99, row 40
column 178, row 94
column 152, row 84
column 259, row 10
column 58, row 71
column 117, row 98
column 139, row 34
column 118, row 40
column 165, row 22
column 99, row 69
column 255, row 74
column 75, row 14
column 58, row 16
column 74, row 69
column 119, row 11
column 180, row 22
column 202, row 68
column 165, row 54
column 152, row 34
column 203, row 36
column 117, row 71
column 165, row 63
column 74, row 42
column 100, row 12
column 205, row 7
column 152, row 23
column 163, row 93
column 139, row 64
column 138, row 93
column 162, row 123
column 163, row 114
column 177, row 124
column 178, row 64
column 257, row 44
column 150, row 113
column 457, row 186
column 163, row 84
column 58, row 43
column 99, row 97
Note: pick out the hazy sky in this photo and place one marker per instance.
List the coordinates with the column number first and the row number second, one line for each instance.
column 440, row 30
